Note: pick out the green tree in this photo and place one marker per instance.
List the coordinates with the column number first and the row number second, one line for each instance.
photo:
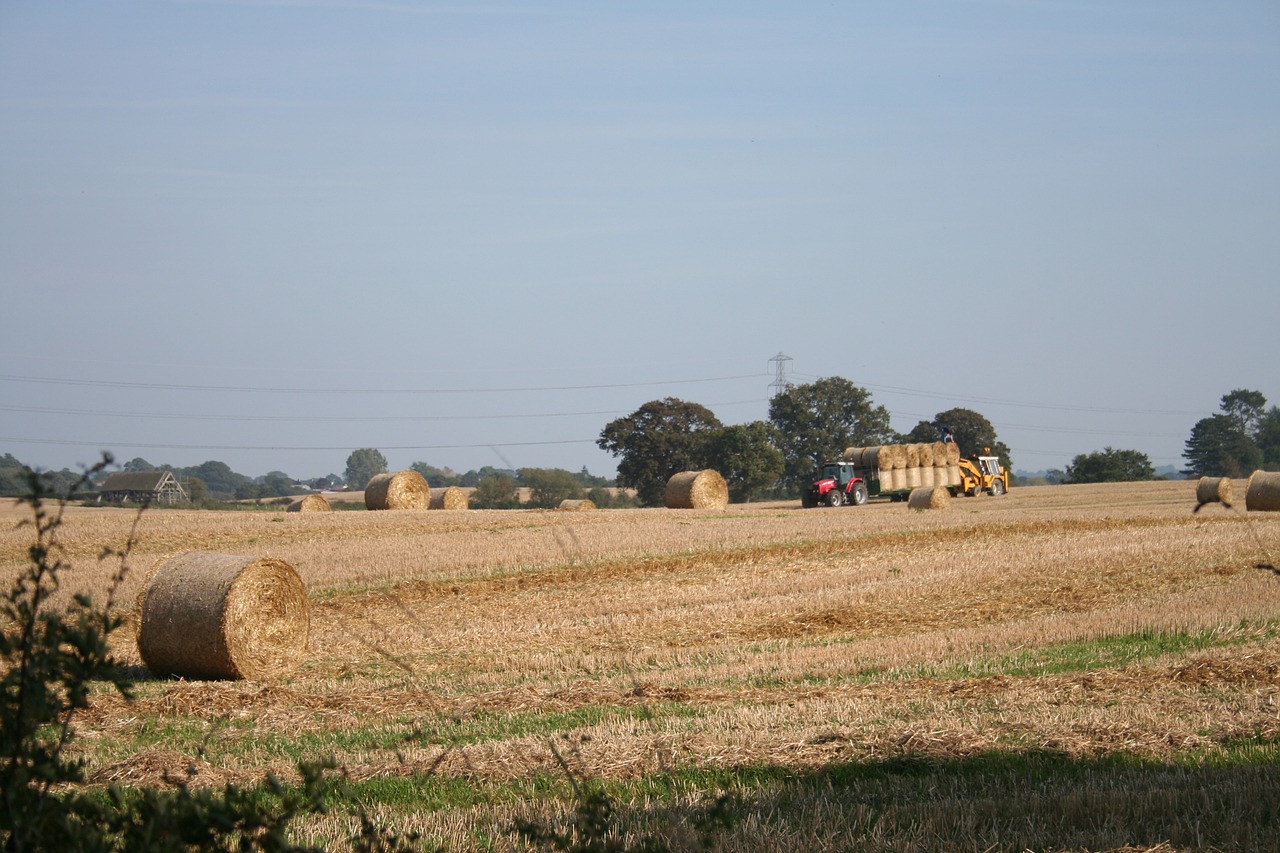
column 1246, row 408
column 437, row 478
column 657, row 440
column 221, row 481
column 13, row 476
column 747, row 457
column 973, row 434
column 1218, row 448
column 1110, row 466
column 819, row 420
column 1268, row 438
column 137, row 465
column 362, row 465
column 496, row 491
column 549, row 486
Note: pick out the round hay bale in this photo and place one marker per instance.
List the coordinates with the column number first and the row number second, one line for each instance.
column 912, row 479
column 704, row 489
column 853, row 454
column 1214, row 490
column 929, row 497
column 927, row 477
column 926, row 455
column 869, row 457
column 582, row 505
column 310, row 503
column 1263, row 492
column 953, row 474
column 940, row 454
column 451, row 497
column 913, row 455
column 953, row 454
column 401, row 490
column 892, row 456
column 223, row 616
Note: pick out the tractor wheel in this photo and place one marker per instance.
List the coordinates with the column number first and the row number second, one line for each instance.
column 997, row 487
column 835, row 497
column 859, row 496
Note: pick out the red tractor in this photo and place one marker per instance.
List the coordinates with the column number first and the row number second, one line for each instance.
column 837, row 484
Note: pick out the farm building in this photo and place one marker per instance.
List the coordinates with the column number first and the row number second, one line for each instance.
column 159, row 487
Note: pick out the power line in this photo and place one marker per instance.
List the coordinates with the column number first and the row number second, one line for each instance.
column 250, row 389
column 345, row 447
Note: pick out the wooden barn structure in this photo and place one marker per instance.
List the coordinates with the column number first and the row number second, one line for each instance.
column 151, row 487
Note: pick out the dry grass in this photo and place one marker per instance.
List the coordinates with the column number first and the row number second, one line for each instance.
column 648, row 643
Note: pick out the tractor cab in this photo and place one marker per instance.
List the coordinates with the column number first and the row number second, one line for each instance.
column 983, row 474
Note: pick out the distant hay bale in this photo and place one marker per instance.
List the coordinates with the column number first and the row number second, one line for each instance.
column 1263, row 492
column 223, row 616
column 704, row 489
column 929, row 497
column 451, row 497
column 401, row 490
column 925, row 452
column 953, row 453
column 1214, row 490
column 893, row 456
column 571, row 505
column 940, row 459
column 310, row 503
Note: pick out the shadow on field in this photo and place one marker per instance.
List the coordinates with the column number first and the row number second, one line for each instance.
column 994, row 801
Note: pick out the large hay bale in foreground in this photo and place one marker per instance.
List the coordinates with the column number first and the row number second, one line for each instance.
column 1214, row 490
column 451, row 497
column 401, row 490
column 1263, row 492
column 577, row 505
column 704, row 489
column 310, row 503
column 223, row 616
column 929, row 497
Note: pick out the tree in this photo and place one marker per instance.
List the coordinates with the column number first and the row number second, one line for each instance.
column 437, row 478
column 747, row 457
column 657, row 440
column 137, row 465
column 363, row 465
column 497, row 491
column 1246, row 408
column 974, row 434
column 819, row 420
column 1268, row 438
column 1110, row 466
column 1218, row 448
column 549, row 486
column 218, row 477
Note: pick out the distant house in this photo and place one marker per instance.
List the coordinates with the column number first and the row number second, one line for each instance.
column 153, row 487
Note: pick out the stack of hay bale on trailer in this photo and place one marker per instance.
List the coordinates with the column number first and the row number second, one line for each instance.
column 893, row 470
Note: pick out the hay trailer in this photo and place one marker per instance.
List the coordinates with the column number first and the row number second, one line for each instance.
column 841, row 483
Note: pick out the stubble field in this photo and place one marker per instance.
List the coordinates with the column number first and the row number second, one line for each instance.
column 1061, row 668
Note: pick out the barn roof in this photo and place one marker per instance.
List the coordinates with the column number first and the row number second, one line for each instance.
column 134, row 481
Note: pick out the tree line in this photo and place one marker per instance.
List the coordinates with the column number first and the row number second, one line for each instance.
column 775, row 458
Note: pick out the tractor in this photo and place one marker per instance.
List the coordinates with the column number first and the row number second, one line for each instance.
column 837, row 484
column 981, row 474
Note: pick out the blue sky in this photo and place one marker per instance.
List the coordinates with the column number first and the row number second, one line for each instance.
column 270, row 233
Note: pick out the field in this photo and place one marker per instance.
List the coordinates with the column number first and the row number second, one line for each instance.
column 1061, row 668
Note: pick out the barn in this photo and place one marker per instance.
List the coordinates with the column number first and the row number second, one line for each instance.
column 143, row 487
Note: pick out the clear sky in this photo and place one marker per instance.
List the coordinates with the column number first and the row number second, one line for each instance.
column 271, row 232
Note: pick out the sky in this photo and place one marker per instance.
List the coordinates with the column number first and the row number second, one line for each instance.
column 270, row 232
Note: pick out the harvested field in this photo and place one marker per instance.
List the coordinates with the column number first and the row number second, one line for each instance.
column 1070, row 667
